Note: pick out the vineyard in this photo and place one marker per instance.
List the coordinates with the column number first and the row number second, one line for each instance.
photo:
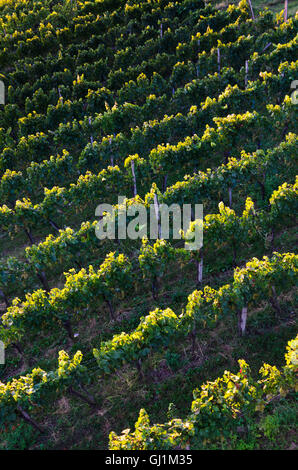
column 138, row 343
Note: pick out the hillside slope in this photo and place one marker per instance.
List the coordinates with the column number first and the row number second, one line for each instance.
column 163, row 103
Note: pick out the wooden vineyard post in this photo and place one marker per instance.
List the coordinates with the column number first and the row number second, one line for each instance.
column 156, row 208
column 134, row 178
column 91, row 137
column 165, row 182
column 274, row 302
column 140, row 370
column 242, row 320
column 155, row 287
column 111, row 308
column 112, row 158
column 218, row 60
column 286, row 11
column 251, row 9
column 246, row 73
column 230, row 198
column 200, row 270
column 68, row 327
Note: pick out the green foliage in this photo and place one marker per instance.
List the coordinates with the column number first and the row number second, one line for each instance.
column 106, row 98
column 218, row 408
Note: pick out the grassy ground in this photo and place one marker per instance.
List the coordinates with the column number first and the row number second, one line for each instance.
column 170, row 374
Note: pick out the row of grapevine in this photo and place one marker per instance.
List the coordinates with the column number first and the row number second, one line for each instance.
column 37, row 122
column 114, row 148
column 86, row 288
column 254, row 281
column 26, row 215
column 75, row 246
column 217, row 409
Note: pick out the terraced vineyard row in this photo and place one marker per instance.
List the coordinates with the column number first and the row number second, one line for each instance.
column 166, row 104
